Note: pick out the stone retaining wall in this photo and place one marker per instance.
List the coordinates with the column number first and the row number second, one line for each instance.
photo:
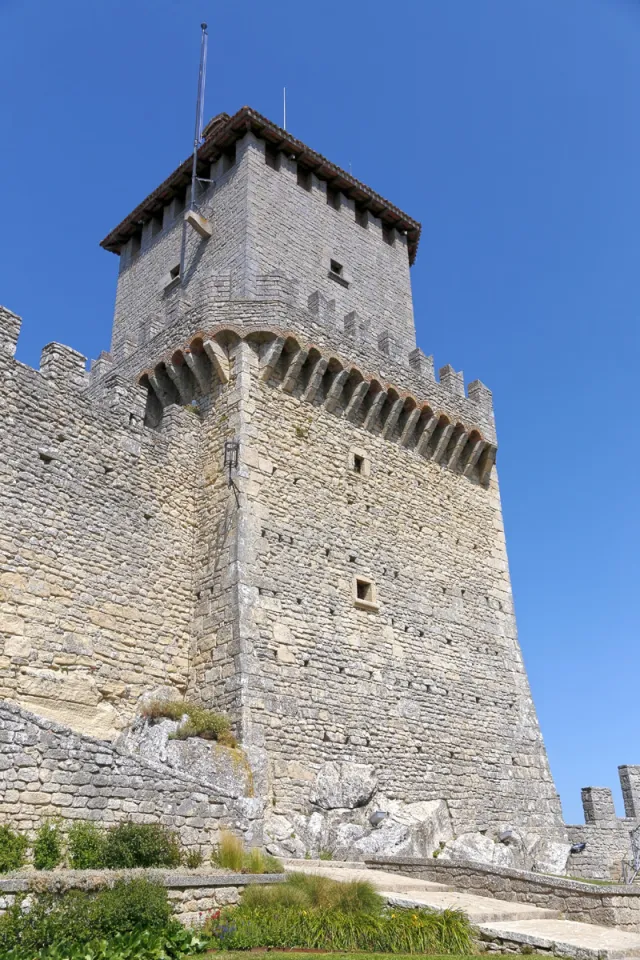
column 46, row 770
column 193, row 894
column 608, row 905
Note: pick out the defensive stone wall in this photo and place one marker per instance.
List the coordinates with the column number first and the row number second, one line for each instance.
column 46, row 770
column 96, row 542
column 606, row 836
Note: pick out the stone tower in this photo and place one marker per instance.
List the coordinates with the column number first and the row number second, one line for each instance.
column 262, row 498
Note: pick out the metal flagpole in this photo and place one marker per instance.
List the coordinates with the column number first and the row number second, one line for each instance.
column 197, row 140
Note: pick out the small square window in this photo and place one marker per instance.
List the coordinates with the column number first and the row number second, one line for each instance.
column 336, row 272
column 174, row 273
column 359, row 463
column 304, row 178
column 364, row 594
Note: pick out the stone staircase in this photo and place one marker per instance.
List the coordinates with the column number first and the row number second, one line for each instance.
column 500, row 924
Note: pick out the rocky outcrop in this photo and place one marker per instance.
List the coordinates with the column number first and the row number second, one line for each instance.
column 515, row 851
column 343, row 786
column 224, row 768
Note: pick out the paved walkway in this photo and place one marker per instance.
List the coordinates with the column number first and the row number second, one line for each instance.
column 516, row 922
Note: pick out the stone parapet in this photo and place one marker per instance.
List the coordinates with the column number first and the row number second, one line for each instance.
column 192, row 894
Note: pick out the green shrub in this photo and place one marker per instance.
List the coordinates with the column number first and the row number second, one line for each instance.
column 78, row 917
column 141, row 845
column 193, row 859
column 401, row 931
column 325, row 855
column 48, row 846
column 174, row 942
column 230, row 854
column 85, row 844
column 199, row 722
column 312, row 891
column 13, row 849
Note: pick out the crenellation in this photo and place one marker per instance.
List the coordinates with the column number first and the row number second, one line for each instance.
column 64, row 365
column 630, row 784
column 10, row 324
column 451, row 380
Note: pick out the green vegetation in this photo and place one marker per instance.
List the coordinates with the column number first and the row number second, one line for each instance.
column 199, row 722
column 85, row 846
column 231, row 854
column 402, row 931
column 13, row 849
column 276, row 955
column 309, row 891
column 193, row 859
column 77, row 917
column 315, row 912
column 48, row 847
column 141, row 845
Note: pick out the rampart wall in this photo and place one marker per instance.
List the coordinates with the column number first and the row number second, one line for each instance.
column 48, row 771
column 605, row 835
column 96, row 542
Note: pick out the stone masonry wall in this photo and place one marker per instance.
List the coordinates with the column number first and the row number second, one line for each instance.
column 605, row 835
column 430, row 689
column 262, row 246
column 96, row 543
column 48, row 771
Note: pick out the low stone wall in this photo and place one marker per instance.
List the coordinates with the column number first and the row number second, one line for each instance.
column 47, row 770
column 608, row 905
column 193, row 894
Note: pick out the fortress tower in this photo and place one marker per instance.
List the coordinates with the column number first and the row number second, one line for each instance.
column 263, row 499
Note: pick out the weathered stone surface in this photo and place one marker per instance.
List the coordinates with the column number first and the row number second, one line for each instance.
column 343, row 786
column 221, row 767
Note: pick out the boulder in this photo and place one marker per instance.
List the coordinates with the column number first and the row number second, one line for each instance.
column 429, row 823
column 343, row 786
column 223, row 768
column 547, row 856
column 470, row 846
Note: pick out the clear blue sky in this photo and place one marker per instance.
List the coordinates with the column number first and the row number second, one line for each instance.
column 511, row 129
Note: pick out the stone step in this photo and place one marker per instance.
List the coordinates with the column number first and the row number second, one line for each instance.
column 478, row 909
column 565, row 938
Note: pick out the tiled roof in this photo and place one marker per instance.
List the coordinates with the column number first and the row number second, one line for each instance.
column 219, row 135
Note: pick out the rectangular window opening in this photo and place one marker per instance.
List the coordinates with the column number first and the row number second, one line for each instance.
column 174, row 273
column 362, row 217
column 358, row 463
column 364, row 590
column 156, row 224
column 180, row 201
column 336, row 268
column 304, row 178
column 136, row 243
column 229, row 158
column 333, row 198
column 271, row 156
